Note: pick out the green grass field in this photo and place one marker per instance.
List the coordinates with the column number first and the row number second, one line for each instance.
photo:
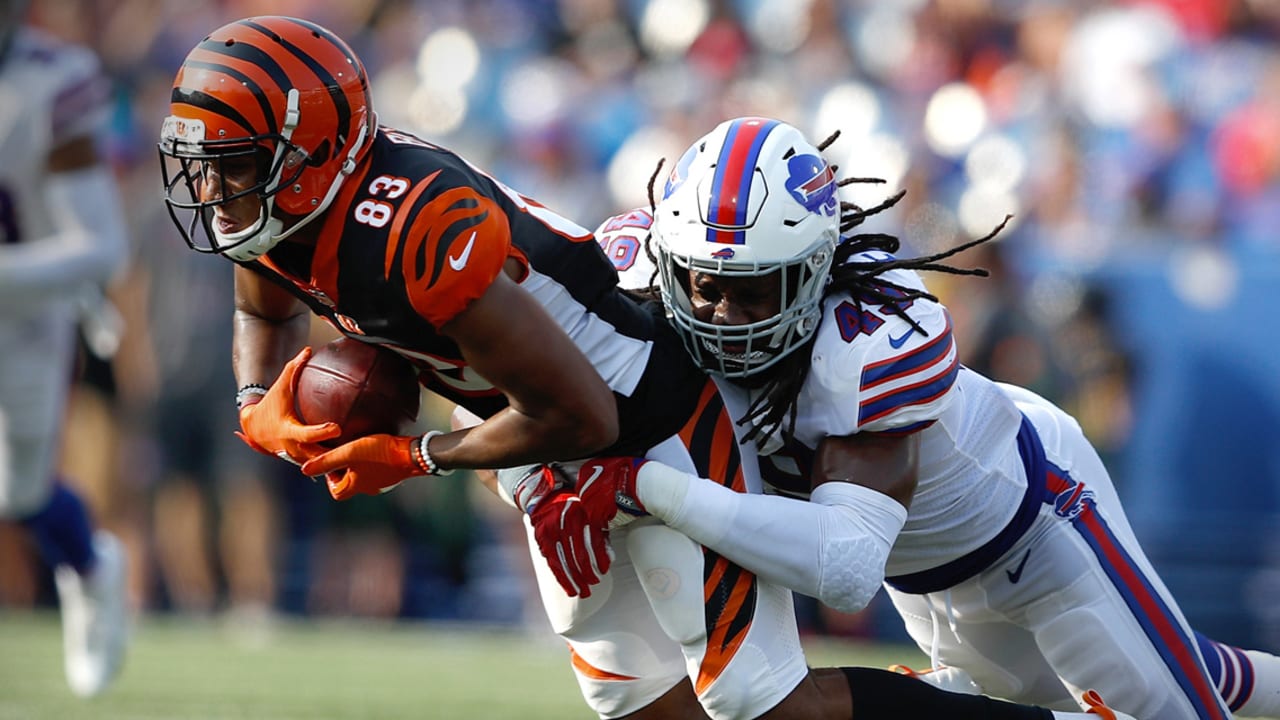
column 179, row 669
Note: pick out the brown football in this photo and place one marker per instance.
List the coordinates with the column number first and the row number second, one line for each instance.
column 364, row 388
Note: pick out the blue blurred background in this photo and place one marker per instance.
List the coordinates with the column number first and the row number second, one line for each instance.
column 1136, row 144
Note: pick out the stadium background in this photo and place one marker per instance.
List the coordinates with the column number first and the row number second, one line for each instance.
column 1137, row 145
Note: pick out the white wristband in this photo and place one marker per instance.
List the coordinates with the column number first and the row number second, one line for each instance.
column 524, row 486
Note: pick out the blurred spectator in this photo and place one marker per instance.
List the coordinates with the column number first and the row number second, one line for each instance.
column 214, row 516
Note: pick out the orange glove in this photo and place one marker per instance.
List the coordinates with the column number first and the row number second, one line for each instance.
column 373, row 465
column 271, row 426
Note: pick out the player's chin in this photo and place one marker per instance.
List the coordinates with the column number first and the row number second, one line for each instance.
column 229, row 225
column 733, row 360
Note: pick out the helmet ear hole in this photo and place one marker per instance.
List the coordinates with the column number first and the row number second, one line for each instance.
column 262, row 158
column 321, row 154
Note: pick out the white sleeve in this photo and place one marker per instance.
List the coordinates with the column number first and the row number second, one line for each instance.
column 832, row 548
column 89, row 244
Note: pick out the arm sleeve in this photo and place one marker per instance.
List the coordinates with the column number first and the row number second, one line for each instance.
column 832, row 548
column 88, row 245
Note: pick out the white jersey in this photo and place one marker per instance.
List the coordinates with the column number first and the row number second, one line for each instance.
column 872, row 371
column 622, row 238
column 50, row 92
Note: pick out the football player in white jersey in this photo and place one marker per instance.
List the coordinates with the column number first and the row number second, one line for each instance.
column 663, row 594
column 61, row 238
column 986, row 512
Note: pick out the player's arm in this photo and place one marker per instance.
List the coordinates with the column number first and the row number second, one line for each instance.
column 886, row 463
column 89, row 242
column 559, row 406
column 832, row 548
column 269, row 327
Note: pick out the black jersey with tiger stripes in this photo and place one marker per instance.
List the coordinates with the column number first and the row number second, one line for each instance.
column 416, row 233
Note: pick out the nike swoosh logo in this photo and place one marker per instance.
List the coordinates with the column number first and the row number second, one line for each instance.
column 897, row 342
column 595, row 475
column 457, row 263
column 1016, row 574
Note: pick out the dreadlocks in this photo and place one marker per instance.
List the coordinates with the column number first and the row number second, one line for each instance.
column 780, row 385
column 647, row 245
column 861, row 280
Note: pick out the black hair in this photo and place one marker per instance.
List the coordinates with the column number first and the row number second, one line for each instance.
column 780, row 385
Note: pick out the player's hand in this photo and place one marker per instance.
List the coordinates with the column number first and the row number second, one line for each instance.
column 607, row 487
column 370, row 465
column 576, row 550
column 271, row 425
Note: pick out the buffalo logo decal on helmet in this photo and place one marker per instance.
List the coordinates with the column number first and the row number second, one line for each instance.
column 723, row 254
column 812, row 184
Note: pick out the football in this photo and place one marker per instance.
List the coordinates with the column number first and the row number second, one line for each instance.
column 364, row 388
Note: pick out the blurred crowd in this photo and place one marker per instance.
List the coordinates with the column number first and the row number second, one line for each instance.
column 1115, row 133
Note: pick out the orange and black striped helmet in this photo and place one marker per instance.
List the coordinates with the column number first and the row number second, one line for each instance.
column 286, row 91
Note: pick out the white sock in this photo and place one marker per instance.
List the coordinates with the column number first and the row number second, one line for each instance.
column 1264, row 701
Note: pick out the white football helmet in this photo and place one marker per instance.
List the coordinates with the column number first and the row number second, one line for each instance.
column 751, row 198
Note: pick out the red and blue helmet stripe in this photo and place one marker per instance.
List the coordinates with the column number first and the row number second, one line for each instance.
column 731, row 184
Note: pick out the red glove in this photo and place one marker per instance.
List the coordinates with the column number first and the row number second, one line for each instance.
column 370, row 465
column 271, row 426
column 576, row 549
column 607, row 486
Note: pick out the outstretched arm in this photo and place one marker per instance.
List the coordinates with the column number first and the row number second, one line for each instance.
column 89, row 241
column 832, row 548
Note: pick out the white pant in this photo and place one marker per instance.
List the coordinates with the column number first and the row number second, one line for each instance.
column 667, row 610
column 36, row 355
column 1073, row 605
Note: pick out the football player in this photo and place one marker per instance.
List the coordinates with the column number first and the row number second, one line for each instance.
column 61, row 238
column 1008, row 553
column 273, row 158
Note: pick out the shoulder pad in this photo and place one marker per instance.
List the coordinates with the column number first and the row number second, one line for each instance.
column 896, row 374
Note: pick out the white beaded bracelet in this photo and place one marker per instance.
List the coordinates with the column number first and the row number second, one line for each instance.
column 248, row 391
column 425, row 455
